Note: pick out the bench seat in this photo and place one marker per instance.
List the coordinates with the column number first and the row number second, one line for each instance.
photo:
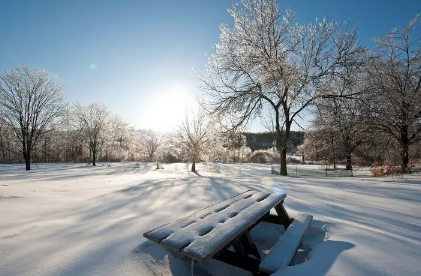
column 284, row 250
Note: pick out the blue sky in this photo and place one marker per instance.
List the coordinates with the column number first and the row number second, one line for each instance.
column 138, row 56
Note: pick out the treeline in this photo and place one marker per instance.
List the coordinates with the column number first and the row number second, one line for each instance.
column 266, row 140
column 92, row 133
column 115, row 141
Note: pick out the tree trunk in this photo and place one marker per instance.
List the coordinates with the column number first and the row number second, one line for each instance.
column 281, row 144
column 405, row 158
column 284, row 161
column 94, row 158
column 45, row 150
column 27, row 157
column 404, row 142
column 94, row 155
column 193, row 166
column 284, row 170
column 26, row 154
column 333, row 153
column 3, row 150
column 348, row 161
column 28, row 164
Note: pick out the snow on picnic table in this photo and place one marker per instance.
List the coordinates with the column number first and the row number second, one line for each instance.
column 73, row 219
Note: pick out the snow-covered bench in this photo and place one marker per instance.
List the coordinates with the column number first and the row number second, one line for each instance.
column 284, row 250
column 214, row 230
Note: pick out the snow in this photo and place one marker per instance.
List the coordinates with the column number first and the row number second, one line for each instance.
column 73, row 219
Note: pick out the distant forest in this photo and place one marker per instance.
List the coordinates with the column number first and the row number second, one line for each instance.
column 265, row 140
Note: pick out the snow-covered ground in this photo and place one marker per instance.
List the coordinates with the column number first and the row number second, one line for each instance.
column 73, row 219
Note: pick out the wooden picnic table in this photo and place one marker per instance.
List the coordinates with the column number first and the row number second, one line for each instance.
column 209, row 232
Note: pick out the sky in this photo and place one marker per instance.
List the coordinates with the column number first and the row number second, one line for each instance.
column 139, row 57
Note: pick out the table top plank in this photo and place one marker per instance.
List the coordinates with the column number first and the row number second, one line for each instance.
column 201, row 235
column 162, row 232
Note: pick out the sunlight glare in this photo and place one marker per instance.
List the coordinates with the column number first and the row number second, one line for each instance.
column 168, row 109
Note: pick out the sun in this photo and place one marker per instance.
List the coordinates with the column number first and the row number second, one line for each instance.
column 170, row 106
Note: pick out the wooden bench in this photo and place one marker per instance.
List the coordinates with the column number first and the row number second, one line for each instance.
column 284, row 250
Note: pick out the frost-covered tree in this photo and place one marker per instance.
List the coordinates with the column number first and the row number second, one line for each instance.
column 267, row 62
column 193, row 137
column 234, row 142
column 321, row 144
column 394, row 76
column 150, row 142
column 219, row 150
column 91, row 123
column 340, row 120
column 339, row 127
column 30, row 104
column 117, row 137
column 9, row 150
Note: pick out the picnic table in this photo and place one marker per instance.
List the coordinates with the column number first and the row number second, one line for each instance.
column 210, row 232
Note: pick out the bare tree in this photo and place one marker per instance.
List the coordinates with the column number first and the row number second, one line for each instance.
column 150, row 142
column 317, row 149
column 8, row 143
column 117, row 137
column 193, row 137
column 3, row 139
column 91, row 123
column 234, row 142
column 30, row 103
column 394, row 75
column 341, row 118
column 267, row 62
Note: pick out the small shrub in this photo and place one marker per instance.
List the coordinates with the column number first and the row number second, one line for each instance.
column 292, row 160
column 261, row 157
column 385, row 169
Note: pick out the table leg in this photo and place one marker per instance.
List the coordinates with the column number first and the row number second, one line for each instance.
column 179, row 264
column 249, row 246
column 238, row 247
column 283, row 215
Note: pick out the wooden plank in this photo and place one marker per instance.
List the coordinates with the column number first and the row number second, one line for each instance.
column 286, row 247
column 153, row 237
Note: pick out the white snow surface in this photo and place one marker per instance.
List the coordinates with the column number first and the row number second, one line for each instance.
column 74, row 219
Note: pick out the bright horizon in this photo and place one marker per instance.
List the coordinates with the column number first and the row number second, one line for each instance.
column 139, row 57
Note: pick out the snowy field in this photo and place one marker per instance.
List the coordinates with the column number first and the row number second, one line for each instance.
column 72, row 219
